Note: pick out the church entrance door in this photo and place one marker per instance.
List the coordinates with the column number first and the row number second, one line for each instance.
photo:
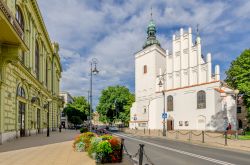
column 170, row 125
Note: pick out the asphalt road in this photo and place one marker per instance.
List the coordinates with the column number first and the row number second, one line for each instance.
column 168, row 152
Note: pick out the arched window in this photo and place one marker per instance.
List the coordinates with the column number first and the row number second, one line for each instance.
column 23, row 57
column 46, row 73
column 201, row 99
column 19, row 17
column 37, row 60
column 170, row 104
column 21, row 92
column 145, row 69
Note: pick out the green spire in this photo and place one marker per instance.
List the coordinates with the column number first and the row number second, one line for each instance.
column 151, row 31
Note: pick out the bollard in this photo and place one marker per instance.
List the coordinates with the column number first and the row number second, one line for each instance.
column 225, row 138
column 141, row 154
column 236, row 135
column 189, row 136
column 121, row 150
column 144, row 131
column 203, row 140
column 176, row 135
column 149, row 131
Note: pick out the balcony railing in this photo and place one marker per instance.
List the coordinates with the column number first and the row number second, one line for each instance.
column 11, row 19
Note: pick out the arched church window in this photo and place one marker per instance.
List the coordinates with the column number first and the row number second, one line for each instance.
column 21, row 92
column 201, row 99
column 37, row 60
column 19, row 17
column 145, row 69
column 170, row 104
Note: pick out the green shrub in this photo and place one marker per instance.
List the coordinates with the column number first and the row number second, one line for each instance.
column 93, row 146
column 80, row 147
column 84, row 138
column 83, row 129
column 106, row 137
column 104, row 147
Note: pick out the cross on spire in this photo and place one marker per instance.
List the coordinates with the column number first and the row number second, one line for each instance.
column 151, row 14
column 197, row 30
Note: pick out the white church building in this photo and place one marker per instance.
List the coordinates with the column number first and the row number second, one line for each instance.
column 183, row 82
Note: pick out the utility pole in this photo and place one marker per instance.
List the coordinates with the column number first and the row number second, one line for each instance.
column 95, row 72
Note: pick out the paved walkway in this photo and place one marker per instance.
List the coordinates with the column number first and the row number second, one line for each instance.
column 41, row 150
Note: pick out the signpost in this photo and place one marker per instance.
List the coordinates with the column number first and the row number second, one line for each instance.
column 164, row 115
column 135, row 118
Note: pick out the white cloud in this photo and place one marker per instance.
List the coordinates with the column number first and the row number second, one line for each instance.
column 113, row 31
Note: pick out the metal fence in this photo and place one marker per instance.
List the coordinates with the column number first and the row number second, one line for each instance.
column 188, row 135
column 141, row 154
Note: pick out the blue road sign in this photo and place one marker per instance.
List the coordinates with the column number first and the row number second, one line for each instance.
column 164, row 115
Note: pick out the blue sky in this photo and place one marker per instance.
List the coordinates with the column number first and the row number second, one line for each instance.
column 113, row 30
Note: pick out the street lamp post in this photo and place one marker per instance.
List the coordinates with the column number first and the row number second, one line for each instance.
column 161, row 82
column 236, row 92
column 48, row 100
column 116, row 111
column 94, row 71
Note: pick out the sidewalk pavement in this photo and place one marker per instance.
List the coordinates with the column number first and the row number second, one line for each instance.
column 211, row 139
column 52, row 154
column 41, row 150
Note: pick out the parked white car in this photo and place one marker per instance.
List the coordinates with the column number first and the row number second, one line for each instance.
column 113, row 129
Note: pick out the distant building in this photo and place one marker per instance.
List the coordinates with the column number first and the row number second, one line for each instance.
column 181, row 81
column 95, row 120
column 242, row 114
column 30, row 72
column 67, row 98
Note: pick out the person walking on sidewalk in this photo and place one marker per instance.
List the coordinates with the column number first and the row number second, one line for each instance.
column 60, row 128
column 229, row 127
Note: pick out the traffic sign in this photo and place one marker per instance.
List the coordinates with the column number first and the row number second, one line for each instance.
column 164, row 115
column 135, row 118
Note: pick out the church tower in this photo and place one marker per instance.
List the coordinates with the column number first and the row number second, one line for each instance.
column 151, row 39
column 148, row 62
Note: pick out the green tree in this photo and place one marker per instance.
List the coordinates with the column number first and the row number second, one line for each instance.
column 77, row 111
column 238, row 77
column 115, row 103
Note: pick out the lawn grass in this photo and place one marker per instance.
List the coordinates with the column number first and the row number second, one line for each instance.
column 247, row 133
column 245, row 137
column 240, row 137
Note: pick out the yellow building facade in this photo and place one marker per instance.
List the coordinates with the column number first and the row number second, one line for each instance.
column 30, row 72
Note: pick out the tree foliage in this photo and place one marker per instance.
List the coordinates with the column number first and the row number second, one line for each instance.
column 238, row 76
column 115, row 103
column 77, row 111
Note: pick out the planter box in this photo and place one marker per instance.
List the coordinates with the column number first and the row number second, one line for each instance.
column 114, row 157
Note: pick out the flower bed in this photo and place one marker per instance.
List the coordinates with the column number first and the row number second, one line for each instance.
column 104, row 149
